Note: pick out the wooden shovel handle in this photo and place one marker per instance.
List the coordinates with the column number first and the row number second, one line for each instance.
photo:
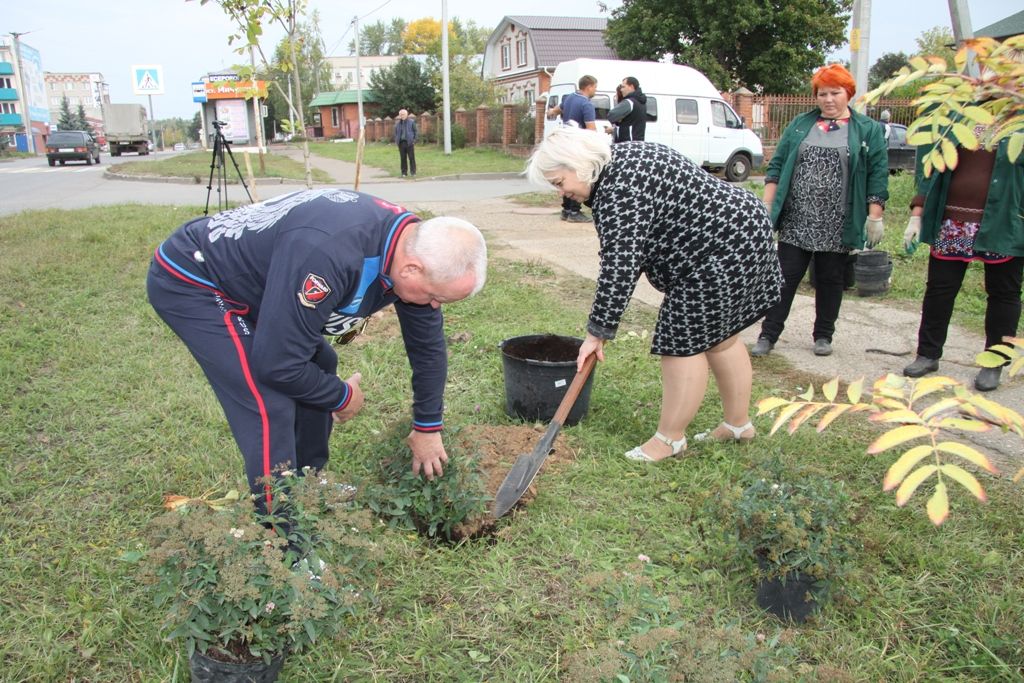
column 574, row 389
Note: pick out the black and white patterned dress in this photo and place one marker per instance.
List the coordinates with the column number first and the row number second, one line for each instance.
column 706, row 244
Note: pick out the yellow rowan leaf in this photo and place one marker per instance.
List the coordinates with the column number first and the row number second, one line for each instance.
column 855, row 390
column 903, row 416
column 830, row 389
column 965, row 136
column 935, row 60
column 1020, row 475
column 918, row 63
column 808, row 395
column 935, row 156
column 929, row 385
column 968, row 453
column 785, row 414
column 804, row 415
column 767, row 405
column 829, row 417
column 1016, row 366
column 938, row 505
column 962, row 424
column 892, row 403
column 996, row 412
column 910, row 484
column 899, row 469
column 897, row 436
column 921, row 138
column 940, row 407
column 927, row 167
column 965, row 479
column 979, row 115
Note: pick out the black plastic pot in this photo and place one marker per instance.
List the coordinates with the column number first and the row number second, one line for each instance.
column 538, row 371
column 207, row 670
column 874, row 273
column 789, row 597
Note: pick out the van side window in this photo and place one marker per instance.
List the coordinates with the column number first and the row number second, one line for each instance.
column 652, row 108
column 552, row 101
column 602, row 104
column 686, row 111
column 722, row 115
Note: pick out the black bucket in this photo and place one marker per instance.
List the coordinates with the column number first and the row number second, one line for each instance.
column 538, row 371
column 874, row 273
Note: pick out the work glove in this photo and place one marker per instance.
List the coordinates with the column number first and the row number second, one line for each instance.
column 912, row 234
column 875, row 229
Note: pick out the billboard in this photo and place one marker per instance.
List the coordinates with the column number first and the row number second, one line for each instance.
column 34, row 83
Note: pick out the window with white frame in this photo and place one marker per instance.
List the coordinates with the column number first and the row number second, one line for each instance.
column 506, row 57
column 521, row 52
column 8, row 108
column 5, row 83
column 529, row 96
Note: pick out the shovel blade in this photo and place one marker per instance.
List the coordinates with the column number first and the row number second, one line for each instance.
column 522, row 473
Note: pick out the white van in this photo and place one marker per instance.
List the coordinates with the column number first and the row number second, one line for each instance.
column 684, row 111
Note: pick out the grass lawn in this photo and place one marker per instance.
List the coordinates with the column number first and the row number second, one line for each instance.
column 102, row 411
column 197, row 165
column 430, row 159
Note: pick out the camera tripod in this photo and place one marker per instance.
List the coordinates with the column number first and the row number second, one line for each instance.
column 219, row 168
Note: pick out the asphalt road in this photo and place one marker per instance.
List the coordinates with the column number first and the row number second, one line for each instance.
column 32, row 184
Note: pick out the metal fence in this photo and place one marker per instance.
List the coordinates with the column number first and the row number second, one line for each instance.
column 772, row 113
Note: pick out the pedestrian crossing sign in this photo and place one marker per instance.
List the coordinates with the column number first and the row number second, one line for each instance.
column 147, row 79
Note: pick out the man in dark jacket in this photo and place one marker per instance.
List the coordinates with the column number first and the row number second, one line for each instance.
column 405, row 138
column 253, row 291
column 630, row 114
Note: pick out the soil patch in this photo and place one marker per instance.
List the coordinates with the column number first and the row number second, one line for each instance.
column 549, row 348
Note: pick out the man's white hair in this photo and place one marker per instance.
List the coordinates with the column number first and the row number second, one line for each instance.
column 581, row 150
column 448, row 248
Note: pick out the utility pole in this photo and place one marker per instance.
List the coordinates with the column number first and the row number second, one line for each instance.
column 359, row 78
column 23, row 93
column 960, row 17
column 257, row 114
column 446, row 104
column 860, row 42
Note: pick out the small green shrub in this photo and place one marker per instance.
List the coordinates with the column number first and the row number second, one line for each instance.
column 458, row 136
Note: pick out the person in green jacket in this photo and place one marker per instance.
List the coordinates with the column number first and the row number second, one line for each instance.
column 971, row 213
column 825, row 187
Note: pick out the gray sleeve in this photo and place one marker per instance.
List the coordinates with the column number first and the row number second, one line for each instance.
column 620, row 110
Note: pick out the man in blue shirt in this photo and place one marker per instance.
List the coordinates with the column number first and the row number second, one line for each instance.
column 253, row 290
column 405, row 138
column 577, row 110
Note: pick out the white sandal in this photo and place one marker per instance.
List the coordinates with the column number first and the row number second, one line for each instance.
column 737, row 433
column 676, row 446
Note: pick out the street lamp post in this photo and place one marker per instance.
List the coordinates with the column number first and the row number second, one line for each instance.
column 23, row 93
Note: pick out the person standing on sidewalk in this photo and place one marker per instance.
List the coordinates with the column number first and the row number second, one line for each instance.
column 706, row 244
column 972, row 213
column 405, row 138
column 577, row 110
column 254, row 291
column 825, row 187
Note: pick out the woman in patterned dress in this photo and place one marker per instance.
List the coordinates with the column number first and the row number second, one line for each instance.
column 706, row 244
column 972, row 213
column 825, row 187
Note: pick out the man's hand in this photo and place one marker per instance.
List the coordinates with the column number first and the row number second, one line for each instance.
column 428, row 453
column 912, row 234
column 355, row 404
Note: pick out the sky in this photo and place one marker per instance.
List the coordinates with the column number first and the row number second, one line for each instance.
column 189, row 39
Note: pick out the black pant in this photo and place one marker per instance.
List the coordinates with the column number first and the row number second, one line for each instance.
column 1002, row 311
column 271, row 429
column 407, row 152
column 829, row 270
column 570, row 205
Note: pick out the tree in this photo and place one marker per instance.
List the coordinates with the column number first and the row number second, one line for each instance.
column 81, row 121
column 379, row 38
column 66, row 120
column 403, row 86
column 195, row 128
column 466, row 88
column 766, row 46
column 422, row 37
column 886, row 66
column 313, row 70
column 936, row 42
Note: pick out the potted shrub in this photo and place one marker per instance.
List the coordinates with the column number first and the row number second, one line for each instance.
column 243, row 590
column 798, row 531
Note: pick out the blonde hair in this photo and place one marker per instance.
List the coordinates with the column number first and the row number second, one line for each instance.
column 581, row 150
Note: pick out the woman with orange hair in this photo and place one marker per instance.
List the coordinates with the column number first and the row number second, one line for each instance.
column 825, row 188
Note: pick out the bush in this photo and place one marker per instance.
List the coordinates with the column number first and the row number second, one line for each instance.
column 458, row 136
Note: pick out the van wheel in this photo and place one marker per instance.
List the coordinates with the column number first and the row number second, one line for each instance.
column 737, row 169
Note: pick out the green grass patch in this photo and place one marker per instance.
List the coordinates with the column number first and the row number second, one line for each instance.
column 430, row 159
column 102, row 411
column 196, row 165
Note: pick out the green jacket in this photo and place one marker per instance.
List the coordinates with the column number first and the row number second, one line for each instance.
column 1002, row 225
column 868, row 172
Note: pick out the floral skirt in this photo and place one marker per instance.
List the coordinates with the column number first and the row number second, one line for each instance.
column 955, row 242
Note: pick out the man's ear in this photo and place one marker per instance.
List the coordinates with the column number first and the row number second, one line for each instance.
column 411, row 268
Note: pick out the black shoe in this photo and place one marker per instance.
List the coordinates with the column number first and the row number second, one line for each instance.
column 921, row 366
column 565, row 215
column 822, row 347
column 578, row 217
column 987, row 379
column 763, row 347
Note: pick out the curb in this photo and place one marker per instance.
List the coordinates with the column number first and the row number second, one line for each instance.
column 196, row 180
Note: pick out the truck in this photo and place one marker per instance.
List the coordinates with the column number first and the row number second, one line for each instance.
column 684, row 111
column 127, row 128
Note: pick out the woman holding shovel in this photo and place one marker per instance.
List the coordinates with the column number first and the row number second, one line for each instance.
column 706, row 244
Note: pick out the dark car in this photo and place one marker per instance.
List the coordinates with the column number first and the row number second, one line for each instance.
column 72, row 145
column 901, row 155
